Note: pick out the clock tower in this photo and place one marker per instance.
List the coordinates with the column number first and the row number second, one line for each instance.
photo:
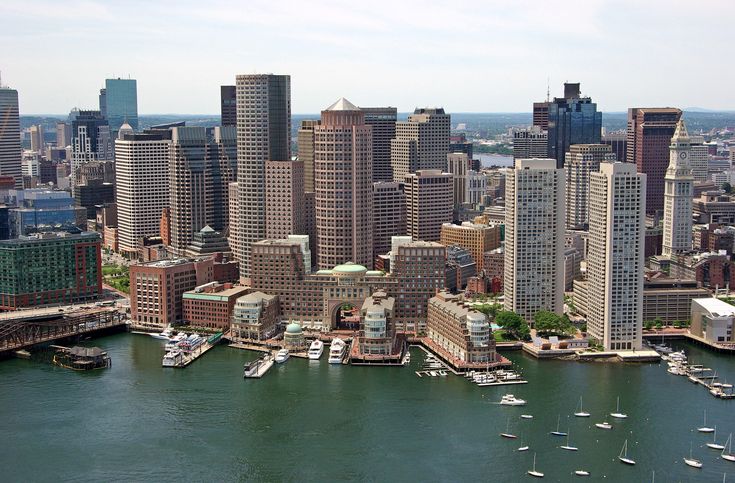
column 678, row 192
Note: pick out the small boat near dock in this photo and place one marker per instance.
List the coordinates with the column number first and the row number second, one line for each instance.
column 257, row 368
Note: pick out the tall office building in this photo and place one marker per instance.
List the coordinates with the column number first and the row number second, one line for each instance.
column 581, row 160
column 37, row 141
column 120, row 103
column 679, row 189
column 649, row 135
column 263, row 133
column 541, row 115
column 142, row 186
column 534, row 238
column 429, row 194
column 343, row 179
column 617, row 141
column 305, row 142
column 699, row 158
column 616, row 256
column 383, row 121
column 572, row 120
column 421, row 142
column 389, row 215
column 284, row 199
column 91, row 141
column 228, row 105
column 10, row 148
column 458, row 164
column 234, row 222
column 530, row 143
column 63, row 134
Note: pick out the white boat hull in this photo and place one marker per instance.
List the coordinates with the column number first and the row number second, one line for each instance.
column 716, row 446
column 619, row 415
column 693, row 463
column 582, row 473
column 582, row 415
column 569, row 448
column 537, row 474
column 627, row 461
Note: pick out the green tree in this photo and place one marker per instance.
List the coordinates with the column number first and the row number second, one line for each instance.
column 727, row 187
column 513, row 324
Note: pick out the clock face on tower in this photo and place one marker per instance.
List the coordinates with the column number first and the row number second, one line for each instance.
column 683, row 155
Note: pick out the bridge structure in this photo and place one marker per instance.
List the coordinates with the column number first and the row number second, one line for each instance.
column 22, row 329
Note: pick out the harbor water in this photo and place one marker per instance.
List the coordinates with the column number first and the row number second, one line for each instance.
column 312, row 421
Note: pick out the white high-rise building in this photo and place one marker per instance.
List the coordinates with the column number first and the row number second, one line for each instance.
column 141, row 186
column 699, row 158
column 580, row 161
column 616, row 256
column 534, row 238
column 679, row 186
column 530, row 143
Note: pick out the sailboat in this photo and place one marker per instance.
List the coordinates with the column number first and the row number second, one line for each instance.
column 557, row 432
column 705, row 428
column 533, row 472
column 581, row 472
column 566, row 446
column 623, row 456
column 604, row 425
column 581, row 413
column 728, row 445
column 507, row 433
column 691, row 461
column 714, row 444
column 617, row 414
column 523, row 447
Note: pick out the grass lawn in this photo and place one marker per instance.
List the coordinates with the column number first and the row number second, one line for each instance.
column 501, row 336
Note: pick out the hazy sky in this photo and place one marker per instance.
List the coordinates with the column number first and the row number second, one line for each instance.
column 483, row 56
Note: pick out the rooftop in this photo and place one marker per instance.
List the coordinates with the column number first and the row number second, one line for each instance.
column 342, row 105
column 716, row 307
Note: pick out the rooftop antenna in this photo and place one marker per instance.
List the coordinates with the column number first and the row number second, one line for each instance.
column 548, row 91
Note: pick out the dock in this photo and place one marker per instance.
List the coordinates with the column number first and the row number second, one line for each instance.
column 259, row 367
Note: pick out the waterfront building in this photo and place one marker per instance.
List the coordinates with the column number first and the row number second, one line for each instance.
column 376, row 336
column 679, row 181
column 383, row 122
column 10, row 146
column 343, row 186
column 305, row 143
column 50, row 268
column 142, row 187
column 649, row 135
column 211, row 305
column 293, row 337
column 389, row 215
column 228, row 106
column 712, row 320
column 462, row 332
column 120, row 103
column 572, row 120
column 530, row 143
column 615, row 262
column 534, row 238
column 429, row 194
column 580, row 161
column 91, row 142
column 420, row 143
column 284, row 199
column 255, row 317
column 263, row 133
column 475, row 238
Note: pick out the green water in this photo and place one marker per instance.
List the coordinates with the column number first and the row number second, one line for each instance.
column 308, row 420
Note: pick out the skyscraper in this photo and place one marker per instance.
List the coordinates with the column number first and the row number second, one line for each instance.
column 91, row 141
column 389, row 215
column 458, row 164
column 530, row 143
column 63, row 135
column 383, row 121
column 263, row 133
column 305, row 143
column 421, row 142
column 679, row 187
column 37, row 141
column 343, row 181
column 284, row 199
column 121, row 103
column 534, row 238
column 228, row 105
column 699, row 158
column 429, row 194
column 541, row 115
column 649, row 135
column 572, row 120
column 615, row 260
column 10, row 149
column 581, row 160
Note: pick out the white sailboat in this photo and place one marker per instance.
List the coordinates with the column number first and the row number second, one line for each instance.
column 705, row 428
column 617, row 414
column 581, row 413
column 557, row 432
column 714, row 444
column 567, row 446
column 523, row 447
column 727, row 452
column 604, row 425
column 507, row 433
column 691, row 461
column 533, row 472
column 623, row 456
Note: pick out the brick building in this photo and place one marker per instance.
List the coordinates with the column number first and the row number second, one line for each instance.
column 211, row 305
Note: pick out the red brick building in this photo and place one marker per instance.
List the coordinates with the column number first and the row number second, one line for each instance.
column 211, row 305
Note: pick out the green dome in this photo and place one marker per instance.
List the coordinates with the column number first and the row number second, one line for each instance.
column 293, row 328
column 349, row 267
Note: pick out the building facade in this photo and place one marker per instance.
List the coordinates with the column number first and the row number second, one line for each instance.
column 383, row 121
column 255, row 317
column 429, row 194
column 572, row 120
column 581, row 160
column 530, row 143
column 121, row 103
column 211, row 305
column 10, row 147
column 475, row 238
column 679, row 185
column 421, row 142
column 389, row 215
column 284, row 199
column 228, row 106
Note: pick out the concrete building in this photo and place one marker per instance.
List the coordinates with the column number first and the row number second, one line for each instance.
column 63, row 135
column 477, row 239
column 255, row 317
column 699, row 158
column 459, row 270
column 263, row 133
column 714, row 207
column 679, row 184
column 421, row 142
column 234, row 224
column 305, row 143
column 581, row 160
column 534, row 238
column 572, row 120
column 343, row 181
column 711, row 270
column 572, row 266
column 377, row 336
column 142, row 188
column 541, row 115
column 669, row 299
column 389, row 215
column 475, row 189
column 712, row 319
column 91, row 142
column 649, row 136
column 10, row 147
column 383, row 122
column 615, row 262
column 714, row 238
column 617, row 140
column 458, row 164
column 284, row 199
column 530, row 143
column 228, row 105
column 210, row 305
column 429, row 194
column 37, row 141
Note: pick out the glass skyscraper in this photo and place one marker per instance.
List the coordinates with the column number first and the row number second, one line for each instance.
column 119, row 103
column 572, row 120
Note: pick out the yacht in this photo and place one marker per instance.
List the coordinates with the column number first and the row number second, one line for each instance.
column 511, row 400
column 623, row 456
column 582, row 473
column 567, row 446
column 507, row 433
column 617, row 414
column 526, row 416
column 282, row 356
column 173, row 343
column 173, row 358
column 604, row 425
column 337, row 351
column 252, row 368
column 167, row 333
column 316, row 349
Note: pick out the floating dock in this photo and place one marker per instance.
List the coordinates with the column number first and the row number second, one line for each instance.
column 259, row 367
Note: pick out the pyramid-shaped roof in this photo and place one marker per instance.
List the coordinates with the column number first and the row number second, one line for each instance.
column 681, row 130
column 342, row 105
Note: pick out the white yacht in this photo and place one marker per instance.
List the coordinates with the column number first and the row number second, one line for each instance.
column 582, row 473
column 604, row 425
column 337, row 351
column 316, row 349
column 167, row 333
column 172, row 359
column 282, row 356
column 173, row 343
column 511, row 400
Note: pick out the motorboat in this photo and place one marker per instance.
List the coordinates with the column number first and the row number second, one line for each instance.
column 694, row 463
column 617, row 414
column 511, row 400
column 282, row 356
column 581, row 473
column 623, row 456
column 663, row 349
column 166, row 334
column 316, row 349
column 337, row 351
column 705, row 428
column 173, row 343
column 173, row 358
column 526, row 416
column 581, row 413
column 557, row 432
column 714, row 444
column 604, row 425
column 533, row 472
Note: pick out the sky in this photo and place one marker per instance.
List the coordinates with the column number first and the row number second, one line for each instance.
column 467, row 56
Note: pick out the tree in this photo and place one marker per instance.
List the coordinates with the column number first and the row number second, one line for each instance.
column 550, row 323
column 727, row 187
column 513, row 324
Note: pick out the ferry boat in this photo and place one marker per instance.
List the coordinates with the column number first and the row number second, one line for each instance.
column 282, row 356
column 173, row 358
column 511, row 400
column 316, row 349
column 337, row 351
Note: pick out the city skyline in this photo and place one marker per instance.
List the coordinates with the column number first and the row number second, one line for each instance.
column 520, row 46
